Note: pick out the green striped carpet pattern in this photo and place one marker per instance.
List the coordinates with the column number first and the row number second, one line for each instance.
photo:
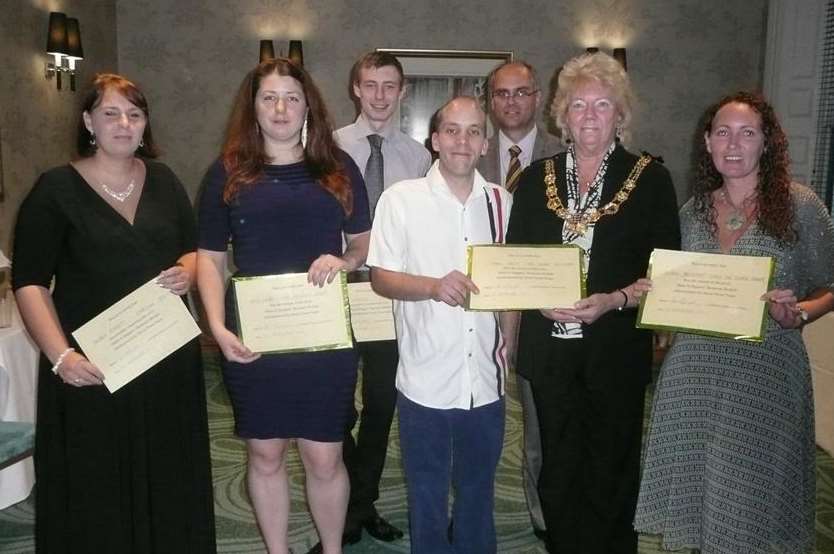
column 237, row 532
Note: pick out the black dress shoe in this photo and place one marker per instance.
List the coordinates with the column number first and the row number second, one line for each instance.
column 380, row 529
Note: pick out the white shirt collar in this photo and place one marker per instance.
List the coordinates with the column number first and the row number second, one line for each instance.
column 438, row 183
column 364, row 128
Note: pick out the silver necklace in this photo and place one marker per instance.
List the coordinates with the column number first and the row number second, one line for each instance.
column 121, row 196
column 738, row 218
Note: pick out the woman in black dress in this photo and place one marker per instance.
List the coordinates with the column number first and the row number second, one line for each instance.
column 285, row 205
column 588, row 365
column 127, row 471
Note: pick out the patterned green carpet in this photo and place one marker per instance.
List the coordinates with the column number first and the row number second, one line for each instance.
column 237, row 533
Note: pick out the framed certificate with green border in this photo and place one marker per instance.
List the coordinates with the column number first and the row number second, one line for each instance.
column 524, row 276
column 371, row 315
column 285, row 313
column 707, row 294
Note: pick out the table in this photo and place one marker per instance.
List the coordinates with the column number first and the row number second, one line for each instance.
column 818, row 340
column 18, row 386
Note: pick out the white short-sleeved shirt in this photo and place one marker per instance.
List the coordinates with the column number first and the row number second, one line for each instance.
column 449, row 358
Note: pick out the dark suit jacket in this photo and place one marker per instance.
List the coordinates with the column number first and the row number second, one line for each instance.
column 620, row 255
column 490, row 163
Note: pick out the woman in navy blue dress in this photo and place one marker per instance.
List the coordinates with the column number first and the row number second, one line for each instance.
column 286, row 206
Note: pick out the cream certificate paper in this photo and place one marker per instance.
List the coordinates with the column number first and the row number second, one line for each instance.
column 135, row 333
column 371, row 315
column 708, row 294
column 524, row 277
column 285, row 313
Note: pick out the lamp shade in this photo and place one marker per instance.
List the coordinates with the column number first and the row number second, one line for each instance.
column 56, row 40
column 74, row 48
column 296, row 54
column 620, row 56
column 267, row 51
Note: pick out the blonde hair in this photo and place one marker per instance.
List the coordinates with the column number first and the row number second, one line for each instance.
column 603, row 69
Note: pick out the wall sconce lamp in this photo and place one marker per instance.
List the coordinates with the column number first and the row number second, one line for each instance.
column 267, row 51
column 295, row 52
column 618, row 54
column 56, row 44
column 75, row 51
column 64, row 42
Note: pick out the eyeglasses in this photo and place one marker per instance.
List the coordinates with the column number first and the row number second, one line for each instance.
column 518, row 94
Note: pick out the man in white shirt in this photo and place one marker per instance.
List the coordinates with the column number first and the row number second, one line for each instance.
column 385, row 155
column 452, row 367
column 515, row 97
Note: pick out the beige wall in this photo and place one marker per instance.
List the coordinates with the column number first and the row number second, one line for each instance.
column 38, row 121
column 190, row 56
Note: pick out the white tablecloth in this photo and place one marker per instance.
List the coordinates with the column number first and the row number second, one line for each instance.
column 18, row 383
column 819, row 340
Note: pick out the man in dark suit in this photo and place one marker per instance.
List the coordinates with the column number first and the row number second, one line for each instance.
column 514, row 98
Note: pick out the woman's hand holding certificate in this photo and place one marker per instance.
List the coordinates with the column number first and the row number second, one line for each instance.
column 289, row 313
column 710, row 294
column 135, row 333
column 525, row 277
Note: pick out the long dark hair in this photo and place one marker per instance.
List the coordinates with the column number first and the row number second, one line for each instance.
column 101, row 83
column 244, row 156
column 774, row 212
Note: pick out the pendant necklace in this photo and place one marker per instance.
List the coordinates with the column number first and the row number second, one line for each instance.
column 738, row 217
column 121, row 196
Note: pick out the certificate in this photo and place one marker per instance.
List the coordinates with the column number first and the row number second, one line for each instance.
column 524, row 277
column 708, row 294
column 135, row 333
column 285, row 313
column 371, row 315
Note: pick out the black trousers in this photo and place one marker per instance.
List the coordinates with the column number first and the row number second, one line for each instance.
column 365, row 456
column 590, row 416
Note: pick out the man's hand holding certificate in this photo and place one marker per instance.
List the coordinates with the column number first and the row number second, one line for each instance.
column 135, row 333
column 286, row 313
column 709, row 294
column 525, row 277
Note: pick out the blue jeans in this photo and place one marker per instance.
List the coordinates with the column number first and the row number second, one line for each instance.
column 457, row 447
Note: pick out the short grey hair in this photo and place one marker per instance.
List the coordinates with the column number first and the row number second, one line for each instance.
column 603, row 69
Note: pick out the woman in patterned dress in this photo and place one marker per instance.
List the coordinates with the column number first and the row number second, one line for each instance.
column 729, row 465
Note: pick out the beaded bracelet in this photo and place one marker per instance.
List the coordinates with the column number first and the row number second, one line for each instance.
column 61, row 359
column 625, row 300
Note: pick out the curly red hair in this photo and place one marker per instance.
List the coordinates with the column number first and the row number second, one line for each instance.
column 244, row 156
column 774, row 212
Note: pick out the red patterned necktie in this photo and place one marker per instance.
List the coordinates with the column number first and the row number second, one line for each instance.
column 514, row 169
